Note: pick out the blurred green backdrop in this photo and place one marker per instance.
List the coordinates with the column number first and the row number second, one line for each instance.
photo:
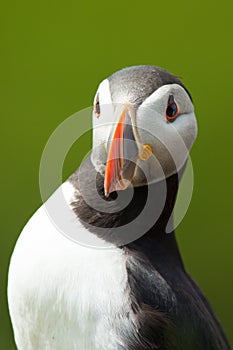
column 54, row 54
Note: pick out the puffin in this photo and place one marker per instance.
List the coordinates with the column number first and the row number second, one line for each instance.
column 97, row 267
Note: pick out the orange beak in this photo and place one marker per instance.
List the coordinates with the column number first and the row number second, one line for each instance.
column 122, row 155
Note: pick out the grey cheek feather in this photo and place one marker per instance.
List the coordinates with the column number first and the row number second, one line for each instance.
column 134, row 85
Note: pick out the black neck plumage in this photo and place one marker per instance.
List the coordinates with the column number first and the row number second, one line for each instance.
column 135, row 218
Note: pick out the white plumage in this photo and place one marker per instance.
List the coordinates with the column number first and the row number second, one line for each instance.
column 67, row 296
column 59, row 291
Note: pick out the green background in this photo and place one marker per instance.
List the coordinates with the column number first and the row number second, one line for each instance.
column 54, row 54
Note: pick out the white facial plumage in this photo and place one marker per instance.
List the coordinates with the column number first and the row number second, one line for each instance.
column 170, row 141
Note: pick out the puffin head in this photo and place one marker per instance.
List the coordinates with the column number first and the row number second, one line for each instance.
column 143, row 127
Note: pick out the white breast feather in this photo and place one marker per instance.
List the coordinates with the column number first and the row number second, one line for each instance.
column 64, row 296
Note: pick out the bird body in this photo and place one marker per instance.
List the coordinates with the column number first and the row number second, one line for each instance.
column 123, row 290
column 59, row 290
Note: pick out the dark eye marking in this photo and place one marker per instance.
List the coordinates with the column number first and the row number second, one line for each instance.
column 97, row 106
column 172, row 109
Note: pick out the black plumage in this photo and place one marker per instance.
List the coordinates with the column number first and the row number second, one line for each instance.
column 171, row 311
column 139, row 82
column 136, row 295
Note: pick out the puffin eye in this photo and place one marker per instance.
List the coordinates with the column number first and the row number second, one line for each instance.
column 172, row 109
column 97, row 106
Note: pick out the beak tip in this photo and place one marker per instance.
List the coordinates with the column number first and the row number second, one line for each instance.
column 106, row 185
column 109, row 189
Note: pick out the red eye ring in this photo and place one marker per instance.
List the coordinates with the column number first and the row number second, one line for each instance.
column 97, row 107
column 172, row 109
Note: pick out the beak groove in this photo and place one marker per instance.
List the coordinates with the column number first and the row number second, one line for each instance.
column 123, row 153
